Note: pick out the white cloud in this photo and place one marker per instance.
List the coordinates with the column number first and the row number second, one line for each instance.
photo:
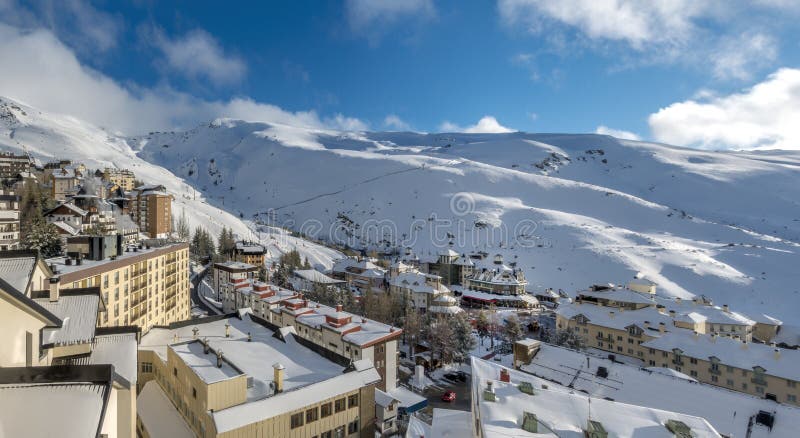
column 764, row 116
column 737, row 57
column 76, row 22
column 729, row 38
column 486, row 125
column 198, row 54
column 373, row 18
column 40, row 70
column 636, row 22
column 394, row 122
column 344, row 123
column 618, row 133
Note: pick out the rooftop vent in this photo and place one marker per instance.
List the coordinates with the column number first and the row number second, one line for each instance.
column 529, row 422
column 526, row 387
column 679, row 429
column 595, row 429
column 602, row 372
column 766, row 418
column 488, row 393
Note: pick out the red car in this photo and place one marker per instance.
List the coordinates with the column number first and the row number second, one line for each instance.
column 449, row 396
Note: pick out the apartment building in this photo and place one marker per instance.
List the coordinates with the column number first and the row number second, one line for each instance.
column 667, row 334
column 124, row 178
column 249, row 252
column 65, row 182
column 507, row 402
column 361, row 275
column 731, row 413
column 225, row 273
column 54, row 360
column 145, row 285
column 12, row 165
column 233, row 377
column 425, row 292
column 151, row 209
column 9, row 220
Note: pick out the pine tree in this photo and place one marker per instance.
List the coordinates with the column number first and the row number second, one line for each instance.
column 513, row 329
column 568, row 339
column 463, row 341
column 482, row 325
column 182, row 228
column 306, row 265
column 412, row 328
column 44, row 238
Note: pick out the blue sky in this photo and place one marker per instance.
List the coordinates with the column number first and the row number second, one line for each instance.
column 699, row 73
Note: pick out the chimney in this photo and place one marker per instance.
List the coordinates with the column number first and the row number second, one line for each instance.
column 695, row 334
column 278, row 370
column 227, row 330
column 744, row 345
column 714, row 337
column 249, row 337
column 54, row 292
column 611, row 314
column 205, row 345
column 777, row 353
column 338, row 307
column 647, row 324
column 725, row 308
column 504, row 376
column 219, row 358
column 678, row 300
column 195, row 331
column 662, row 327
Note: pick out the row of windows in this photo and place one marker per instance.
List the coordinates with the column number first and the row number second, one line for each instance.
column 313, row 414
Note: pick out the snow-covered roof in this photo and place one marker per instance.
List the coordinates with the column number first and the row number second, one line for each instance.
column 620, row 320
column 618, row 295
column 671, row 372
column 383, row 399
column 406, row 397
column 205, row 365
column 450, row 423
column 445, row 310
column 448, row 253
column 485, row 296
column 79, row 316
column 118, row 350
column 501, row 275
column 563, row 413
column 417, row 282
column 66, row 228
column 250, row 248
column 315, row 276
column 729, row 413
column 789, row 334
column 732, row 352
column 16, row 269
column 417, row 428
column 233, row 265
column 694, row 311
column 360, row 330
column 69, row 410
column 64, row 268
column 158, row 414
column 287, row 401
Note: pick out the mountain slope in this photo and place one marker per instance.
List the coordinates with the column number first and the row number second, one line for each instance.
column 569, row 209
column 49, row 136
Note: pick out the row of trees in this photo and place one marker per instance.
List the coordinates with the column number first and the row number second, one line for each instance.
column 36, row 232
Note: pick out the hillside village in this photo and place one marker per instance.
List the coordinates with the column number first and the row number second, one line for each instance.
column 396, row 343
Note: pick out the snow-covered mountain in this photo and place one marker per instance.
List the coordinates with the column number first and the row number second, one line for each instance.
column 571, row 210
column 49, row 136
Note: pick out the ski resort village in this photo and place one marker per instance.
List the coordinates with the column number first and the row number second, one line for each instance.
column 124, row 320
column 400, row 219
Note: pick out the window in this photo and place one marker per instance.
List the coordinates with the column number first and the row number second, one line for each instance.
column 759, row 389
column 352, row 401
column 312, row 415
column 325, row 410
column 352, row 427
column 693, row 373
column 147, row 367
column 791, row 384
column 339, row 405
column 174, row 371
column 791, row 398
column 714, row 379
column 328, row 434
column 729, row 382
column 744, row 386
column 630, row 340
column 619, row 349
column 297, row 420
column 194, row 392
column 692, row 360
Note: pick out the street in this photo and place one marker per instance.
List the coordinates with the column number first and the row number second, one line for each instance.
column 462, row 389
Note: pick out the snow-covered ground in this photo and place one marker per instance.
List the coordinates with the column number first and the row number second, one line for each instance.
column 50, row 136
column 571, row 210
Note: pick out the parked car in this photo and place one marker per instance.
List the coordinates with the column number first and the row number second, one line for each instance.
column 449, row 396
column 461, row 376
column 453, row 377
